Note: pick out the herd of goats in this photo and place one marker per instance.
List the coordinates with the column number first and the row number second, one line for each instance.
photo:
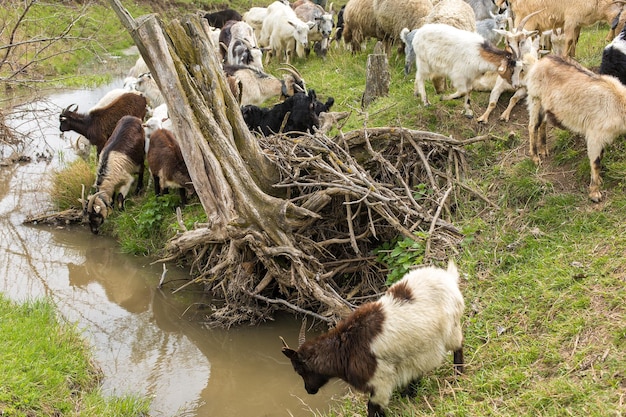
column 446, row 39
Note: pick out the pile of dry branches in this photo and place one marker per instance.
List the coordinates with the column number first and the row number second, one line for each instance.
column 361, row 189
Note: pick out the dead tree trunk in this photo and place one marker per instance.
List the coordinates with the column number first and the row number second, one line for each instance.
column 229, row 171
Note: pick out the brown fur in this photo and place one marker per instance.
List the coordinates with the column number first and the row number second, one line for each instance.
column 98, row 125
column 401, row 291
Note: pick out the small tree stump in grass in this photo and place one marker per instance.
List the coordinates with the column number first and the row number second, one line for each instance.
column 378, row 77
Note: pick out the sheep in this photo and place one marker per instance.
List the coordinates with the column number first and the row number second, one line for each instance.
column 456, row 13
column 579, row 100
column 571, row 15
column 167, row 166
column 217, row 19
column 97, row 125
column 320, row 32
column 442, row 50
column 391, row 342
column 614, row 57
column 359, row 23
column 148, row 86
column 253, row 86
column 391, row 16
column 122, row 157
column 284, row 32
column 295, row 114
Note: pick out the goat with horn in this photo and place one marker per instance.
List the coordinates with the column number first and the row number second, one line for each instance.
column 391, row 342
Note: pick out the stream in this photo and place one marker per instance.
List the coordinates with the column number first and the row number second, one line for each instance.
column 147, row 341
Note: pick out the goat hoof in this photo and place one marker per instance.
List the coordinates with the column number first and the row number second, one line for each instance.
column 595, row 196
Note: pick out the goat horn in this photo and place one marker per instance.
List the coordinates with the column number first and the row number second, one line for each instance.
column 68, row 108
column 525, row 19
column 285, row 345
column 302, row 336
column 296, row 75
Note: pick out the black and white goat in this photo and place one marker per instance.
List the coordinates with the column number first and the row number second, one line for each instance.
column 296, row 114
column 614, row 57
column 571, row 96
column 167, row 166
column 98, row 124
column 442, row 50
column 122, row 157
column 389, row 343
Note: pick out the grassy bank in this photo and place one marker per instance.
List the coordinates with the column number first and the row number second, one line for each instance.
column 47, row 369
column 544, row 271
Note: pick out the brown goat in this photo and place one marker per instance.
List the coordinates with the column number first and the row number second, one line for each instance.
column 122, row 156
column 167, row 166
column 98, row 124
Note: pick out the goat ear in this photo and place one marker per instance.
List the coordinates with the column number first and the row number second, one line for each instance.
column 97, row 209
column 290, row 353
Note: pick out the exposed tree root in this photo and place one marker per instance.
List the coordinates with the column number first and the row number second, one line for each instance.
column 361, row 189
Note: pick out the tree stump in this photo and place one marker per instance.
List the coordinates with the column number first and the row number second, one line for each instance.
column 378, row 77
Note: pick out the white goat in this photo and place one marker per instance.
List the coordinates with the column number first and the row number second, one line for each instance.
column 442, row 50
column 487, row 27
column 579, row 100
column 146, row 85
column 284, row 32
column 320, row 32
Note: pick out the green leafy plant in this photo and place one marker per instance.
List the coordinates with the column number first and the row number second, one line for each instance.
column 401, row 254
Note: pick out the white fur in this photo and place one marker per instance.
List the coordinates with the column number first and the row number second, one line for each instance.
column 444, row 51
column 416, row 337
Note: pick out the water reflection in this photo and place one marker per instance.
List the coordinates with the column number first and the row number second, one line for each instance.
column 142, row 338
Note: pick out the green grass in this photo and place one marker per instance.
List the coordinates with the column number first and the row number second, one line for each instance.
column 47, row 369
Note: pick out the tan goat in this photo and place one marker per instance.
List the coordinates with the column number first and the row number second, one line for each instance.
column 579, row 100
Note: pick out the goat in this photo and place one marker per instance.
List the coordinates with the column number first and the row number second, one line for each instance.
column 253, row 86
column 442, row 50
column 167, row 166
column 217, row 19
column 98, row 125
column 483, row 9
column 148, row 86
column 340, row 22
column 571, row 15
column 529, row 51
column 487, row 28
column 577, row 99
column 296, row 113
column 122, row 157
column 614, row 57
column 320, row 32
column 284, row 32
column 139, row 68
column 391, row 342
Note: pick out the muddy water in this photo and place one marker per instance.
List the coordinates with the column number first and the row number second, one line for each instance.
column 147, row 341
